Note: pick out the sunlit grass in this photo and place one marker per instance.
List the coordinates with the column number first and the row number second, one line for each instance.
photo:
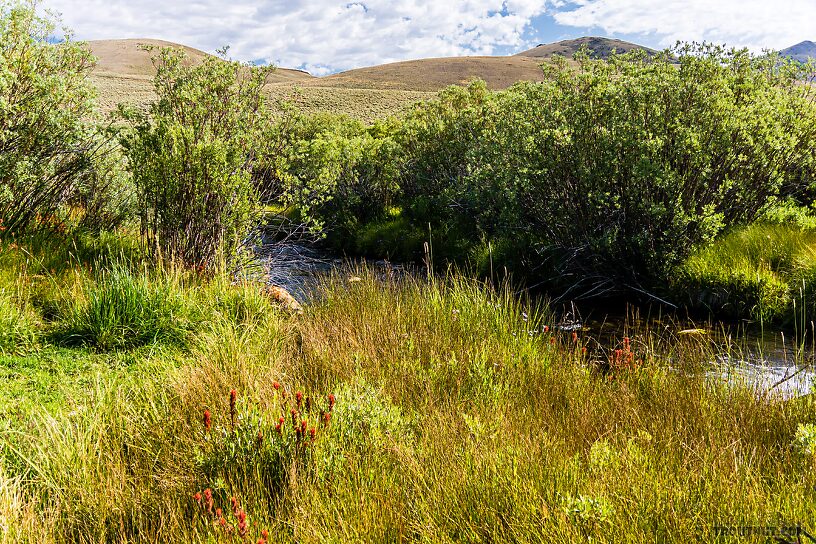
column 462, row 414
column 763, row 272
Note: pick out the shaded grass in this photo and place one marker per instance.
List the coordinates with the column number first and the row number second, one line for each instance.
column 458, row 418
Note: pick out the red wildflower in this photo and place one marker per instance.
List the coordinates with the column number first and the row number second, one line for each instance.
column 303, row 425
column 312, row 432
column 208, row 500
column 243, row 526
column 218, row 513
column 299, row 398
column 574, row 336
column 207, row 421
column 545, row 328
column 265, row 534
column 326, row 417
column 331, row 401
column 552, row 340
column 197, row 497
column 276, row 385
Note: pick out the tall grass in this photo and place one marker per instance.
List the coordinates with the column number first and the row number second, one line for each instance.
column 461, row 415
column 122, row 308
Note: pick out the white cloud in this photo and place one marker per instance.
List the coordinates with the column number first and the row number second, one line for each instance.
column 318, row 35
column 756, row 24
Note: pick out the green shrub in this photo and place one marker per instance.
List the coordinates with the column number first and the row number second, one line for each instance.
column 338, row 173
column 805, row 440
column 604, row 176
column 191, row 157
column 619, row 169
column 51, row 153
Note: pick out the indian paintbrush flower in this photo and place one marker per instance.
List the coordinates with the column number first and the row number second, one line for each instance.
column 207, row 421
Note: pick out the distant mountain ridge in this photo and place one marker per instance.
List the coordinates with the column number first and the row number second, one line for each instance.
column 801, row 51
column 599, row 47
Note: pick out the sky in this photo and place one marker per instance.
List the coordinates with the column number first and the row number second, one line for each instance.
column 326, row 36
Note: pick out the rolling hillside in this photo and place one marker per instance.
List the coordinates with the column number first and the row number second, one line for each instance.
column 124, row 71
column 430, row 75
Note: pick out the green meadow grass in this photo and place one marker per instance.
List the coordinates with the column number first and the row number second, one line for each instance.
column 766, row 272
column 460, row 415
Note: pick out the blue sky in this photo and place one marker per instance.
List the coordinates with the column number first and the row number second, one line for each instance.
column 325, row 36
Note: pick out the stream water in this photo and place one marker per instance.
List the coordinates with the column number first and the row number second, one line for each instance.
column 771, row 362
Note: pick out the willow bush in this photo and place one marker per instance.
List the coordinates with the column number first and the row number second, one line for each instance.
column 52, row 153
column 600, row 179
column 618, row 169
column 191, row 156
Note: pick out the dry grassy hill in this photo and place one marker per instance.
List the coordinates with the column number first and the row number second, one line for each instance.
column 430, row 75
column 127, row 58
column 124, row 74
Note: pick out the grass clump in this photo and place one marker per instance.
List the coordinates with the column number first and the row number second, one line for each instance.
column 17, row 327
column 763, row 272
column 123, row 308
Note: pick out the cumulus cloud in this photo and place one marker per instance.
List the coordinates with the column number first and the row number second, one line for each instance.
column 756, row 24
column 320, row 36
